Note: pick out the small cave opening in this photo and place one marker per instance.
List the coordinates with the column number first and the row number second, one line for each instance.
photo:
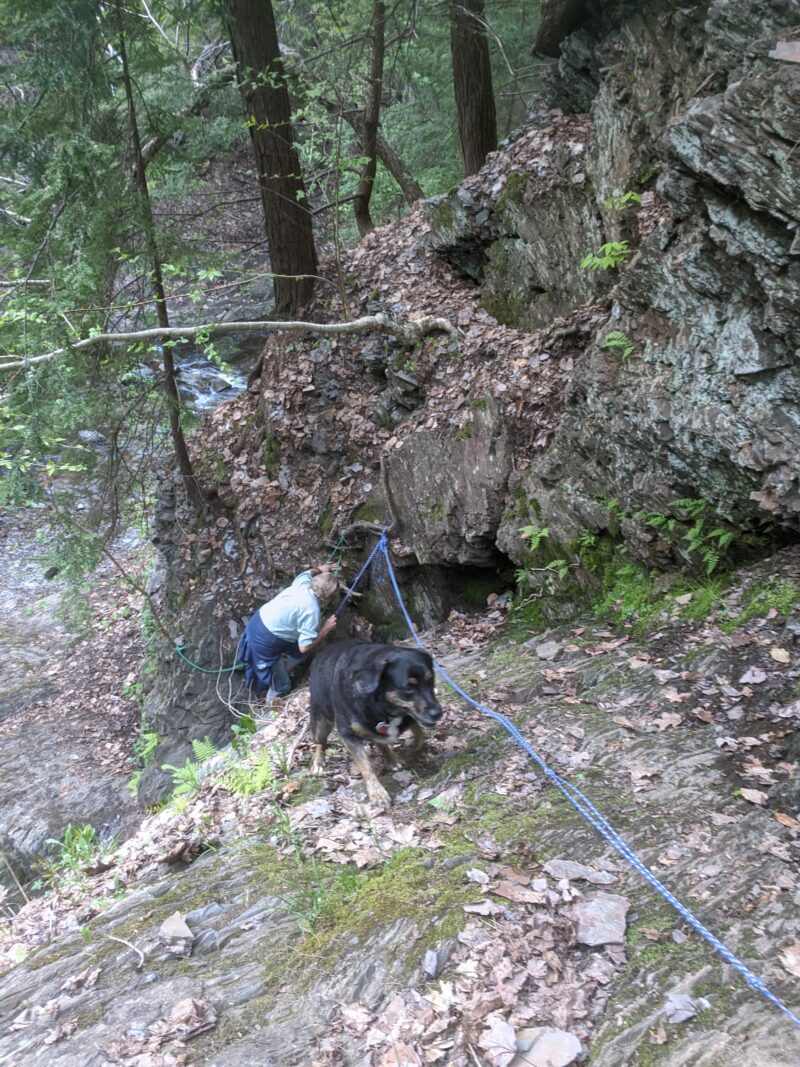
column 430, row 592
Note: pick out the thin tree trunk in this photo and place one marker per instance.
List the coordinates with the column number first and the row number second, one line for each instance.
column 372, row 111
column 472, row 83
column 170, row 381
column 409, row 186
column 262, row 82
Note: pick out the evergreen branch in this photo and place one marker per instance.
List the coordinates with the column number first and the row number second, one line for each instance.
column 205, row 95
column 408, row 333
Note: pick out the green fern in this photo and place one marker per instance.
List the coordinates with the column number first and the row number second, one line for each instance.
column 145, row 745
column 698, row 540
column 535, row 535
column 254, row 777
column 203, row 749
column 618, row 341
column 185, row 780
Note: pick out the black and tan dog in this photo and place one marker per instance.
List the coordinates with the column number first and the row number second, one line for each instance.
column 370, row 692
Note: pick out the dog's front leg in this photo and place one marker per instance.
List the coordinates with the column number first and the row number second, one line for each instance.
column 407, row 756
column 419, row 742
column 377, row 794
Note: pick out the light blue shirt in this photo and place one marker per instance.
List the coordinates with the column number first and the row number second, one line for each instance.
column 294, row 613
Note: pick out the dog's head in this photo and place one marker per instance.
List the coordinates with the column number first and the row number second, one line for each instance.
column 404, row 679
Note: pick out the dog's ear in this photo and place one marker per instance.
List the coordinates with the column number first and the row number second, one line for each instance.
column 370, row 674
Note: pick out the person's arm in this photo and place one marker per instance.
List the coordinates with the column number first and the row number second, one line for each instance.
column 327, row 627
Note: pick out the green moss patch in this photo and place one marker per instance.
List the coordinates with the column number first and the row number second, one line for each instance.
column 344, row 907
column 761, row 598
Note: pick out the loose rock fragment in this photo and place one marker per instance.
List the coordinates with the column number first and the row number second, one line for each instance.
column 600, row 919
column 572, row 871
column 542, row 1046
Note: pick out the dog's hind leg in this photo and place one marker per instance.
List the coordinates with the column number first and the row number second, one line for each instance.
column 375, row 791
column 320, row 730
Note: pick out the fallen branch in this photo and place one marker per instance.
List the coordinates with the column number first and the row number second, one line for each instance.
column 295, row 744
column 133, row 948
column 16, row 880
column 408, row 333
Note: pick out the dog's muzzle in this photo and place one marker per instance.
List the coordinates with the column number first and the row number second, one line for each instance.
column 429, row 715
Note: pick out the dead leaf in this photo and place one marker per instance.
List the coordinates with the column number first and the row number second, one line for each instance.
column 659, row 1035
column 754, row 796
column 499, row 1041
column 650, row 933
column 61, row 1031
column 780, row 655
column 790, row 958
column 620, row 720
column 668, row 719
column 400, row 1055
column 520, row 894
column 669, row 856
column 786, row 820
column 356, row 1017
column 673, row 696
column 638, row 771
column 84, row 980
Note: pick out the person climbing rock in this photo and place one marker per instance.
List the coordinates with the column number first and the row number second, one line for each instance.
column 286, row 629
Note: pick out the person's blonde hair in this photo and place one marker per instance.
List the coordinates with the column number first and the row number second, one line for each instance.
column 325, row 587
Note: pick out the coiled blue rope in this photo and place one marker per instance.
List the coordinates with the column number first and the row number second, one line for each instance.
column 379, row 545
column 582, row 803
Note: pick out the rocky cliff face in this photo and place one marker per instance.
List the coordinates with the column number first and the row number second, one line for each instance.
column 694, row 393
column 622, row 407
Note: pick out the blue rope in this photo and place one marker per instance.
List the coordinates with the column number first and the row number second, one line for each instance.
column 583, row 805
column 380, row 545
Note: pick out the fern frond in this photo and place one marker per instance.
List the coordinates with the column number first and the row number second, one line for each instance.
column 203, row 749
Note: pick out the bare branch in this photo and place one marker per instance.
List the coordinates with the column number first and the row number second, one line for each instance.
column 133, row 948
column 408, row 333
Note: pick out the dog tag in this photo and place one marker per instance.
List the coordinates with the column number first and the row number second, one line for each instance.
column 382, row 728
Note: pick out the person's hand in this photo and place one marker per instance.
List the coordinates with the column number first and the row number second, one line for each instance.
column 328, row 626
column 327, row 568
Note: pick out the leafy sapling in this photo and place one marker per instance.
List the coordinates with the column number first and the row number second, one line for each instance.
column 607, row 256
column 622, row 201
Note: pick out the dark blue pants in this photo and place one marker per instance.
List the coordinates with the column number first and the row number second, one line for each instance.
column 260, row 652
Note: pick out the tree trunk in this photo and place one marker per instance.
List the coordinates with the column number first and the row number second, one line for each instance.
column 254, row 40
column 558, row 18
column 372, row 111
column 409, row 186
column 170, row 381
column 472, row 83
